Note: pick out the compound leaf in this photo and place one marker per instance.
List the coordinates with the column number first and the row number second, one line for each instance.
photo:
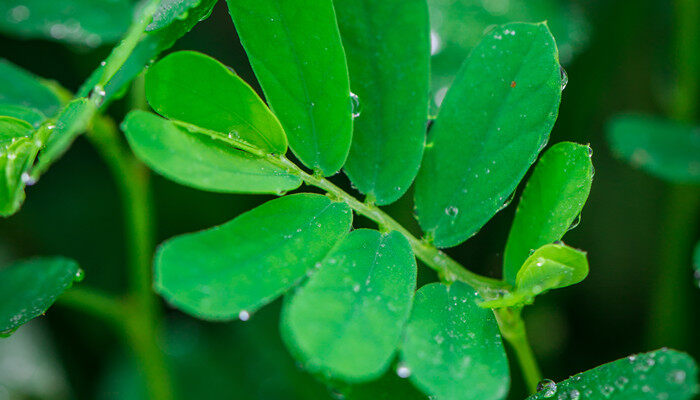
column 30, row 287
column 201, row 161
column 550, row 203
column 666, row 149
column 296, row 53
column 660, row 374
column 390, row 79
column 494, row 121
column 197, row 89
column 452, row 347
column 231, row 270
column 83, row 22
column 153, row 43
column 346, row 321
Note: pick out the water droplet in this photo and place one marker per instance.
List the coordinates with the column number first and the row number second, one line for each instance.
column 355, row 106
column 27, row 179
column 574, row 394
column 564, row 77
column 575, row 223
column 244, row 315
column 696, row 275
column 19, row 14
column 435, row 43
column 677, row 376
column 403, row 371
column 79, row 275
column 452, row 211
column 547, row 387
column 98, row 95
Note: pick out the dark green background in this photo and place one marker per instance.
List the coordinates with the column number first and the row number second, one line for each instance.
column 74, row 211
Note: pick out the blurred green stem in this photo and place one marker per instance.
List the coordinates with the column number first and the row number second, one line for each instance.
column 142, row 310
column 512, row 327
column 95, row 303
column 669, row 323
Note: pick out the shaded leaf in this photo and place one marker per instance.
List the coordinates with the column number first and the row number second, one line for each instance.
column 83, row 22
column 296, row 53
column 452, row 347
column 494, row 121
column 666, row 149
column 346, row 321
column 197, row 89
column 30, row 287
column 660, row 374
column 201, row 161
column 21, row 88
column 390, row 79
column 28, row 114
column 550, row 203
column 233, row 269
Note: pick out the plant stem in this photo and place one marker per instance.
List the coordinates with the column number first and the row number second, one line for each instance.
column 669, row 323
column 513, row 330
column 143, row 313
column 95, row 303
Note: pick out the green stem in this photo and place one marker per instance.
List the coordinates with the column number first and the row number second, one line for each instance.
column 513, row 330
column 670, row 308
column 143, row 315
column 95, row 303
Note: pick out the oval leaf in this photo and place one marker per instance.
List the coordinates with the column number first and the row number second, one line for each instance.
column 390, row 79
column 83, row 22
column 346, row 321
column 666, row 149
column 452, row 347
column 30, row 287
column 197, row 89
column 494, row 121
column 197, row 160
column 660, row 374
column 550, row 203
column 296, row 53
column 233, row 269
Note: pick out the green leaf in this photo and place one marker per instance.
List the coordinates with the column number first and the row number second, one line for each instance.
column 388, row 387
column 696, row 264
column 145, row 52
column 70, row 122
column 459, row 25
column 30, row 287
column 12, row 129
column 452, row 347
column 552, row 266
column 21, row 88
column 201, row 161
column 197, row 89
column 232, row 270
column 169, row 11
column 296, row 53
column 28, row 114
column 346, row 321
column 660, row 374
column 494, row 121
column 82, row 22
column 666, row 149
column 550, row 203
column 390, row 79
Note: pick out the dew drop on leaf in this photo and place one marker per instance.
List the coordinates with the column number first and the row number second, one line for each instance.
column 547, row 387
column 564, row 77
column 244, row 315
column 403, row 371
column 355, row 106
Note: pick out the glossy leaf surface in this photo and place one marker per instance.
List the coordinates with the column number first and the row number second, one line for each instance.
column 346, row 321
column 197, row 89
column 28, row 114
column 30, row 287
column 390, row 79
column 169, row 11
column 666, row 149
column 233, row 269
column 452, row 347
column 296, row 53
column 82, row 22
column 21, row 88
column 550, row 204
column 494, row 121
column 660, row 374
column 197, row 160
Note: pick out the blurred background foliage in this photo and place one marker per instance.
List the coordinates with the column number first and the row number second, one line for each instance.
column 618, row 56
